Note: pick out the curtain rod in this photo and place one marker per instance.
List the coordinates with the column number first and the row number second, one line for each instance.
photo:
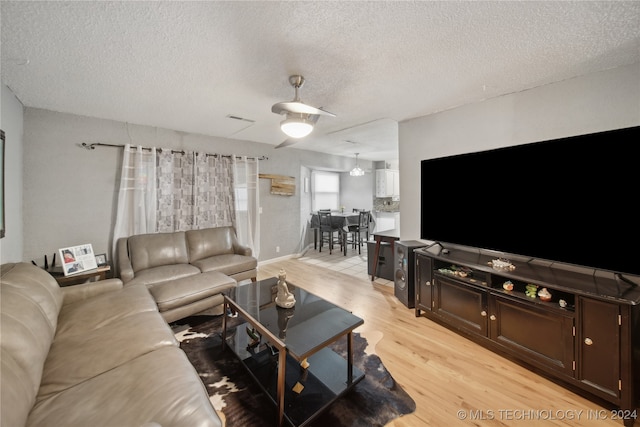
column 93, row 146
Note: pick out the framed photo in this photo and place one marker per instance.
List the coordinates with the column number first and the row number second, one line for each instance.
column 77, row 259
column 101, row 260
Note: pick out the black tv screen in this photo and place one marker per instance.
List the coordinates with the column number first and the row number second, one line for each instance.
column 572, row 200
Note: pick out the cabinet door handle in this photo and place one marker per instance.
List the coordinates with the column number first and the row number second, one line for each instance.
column 492, row 317
column 483, row 313
column 588, row 341
column 427, row 283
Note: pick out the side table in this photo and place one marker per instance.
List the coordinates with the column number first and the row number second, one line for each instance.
column 99, row 273
column 389, row 236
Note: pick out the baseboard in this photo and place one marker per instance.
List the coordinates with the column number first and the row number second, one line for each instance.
column 286, row 257
column 272, row 260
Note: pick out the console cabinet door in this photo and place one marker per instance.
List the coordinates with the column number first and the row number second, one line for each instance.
column 423, row 283
column 599, row 346
column 537, row 334
column 460, row 304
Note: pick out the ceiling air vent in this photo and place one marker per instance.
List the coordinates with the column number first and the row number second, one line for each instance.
column 242, row 119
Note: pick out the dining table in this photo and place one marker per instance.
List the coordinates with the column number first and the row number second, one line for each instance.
column 339, row 220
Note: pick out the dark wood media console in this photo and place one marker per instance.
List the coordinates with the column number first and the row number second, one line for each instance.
column 587, row 335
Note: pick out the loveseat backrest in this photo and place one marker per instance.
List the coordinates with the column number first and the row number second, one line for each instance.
column 210, row 242
column 154, row 250
column 30, row 301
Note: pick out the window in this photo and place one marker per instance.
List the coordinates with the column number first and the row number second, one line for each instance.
column 325, row 190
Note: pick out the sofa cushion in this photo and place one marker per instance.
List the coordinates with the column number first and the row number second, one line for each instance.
column 30, row 300
column 153, row 250
column 227, row 264
column 163, row 274
column 181, row 292
column 86, row 290
column 75, row 358
column 210, row 242
column 83, row 317
column 17, row 391
column 160, row 387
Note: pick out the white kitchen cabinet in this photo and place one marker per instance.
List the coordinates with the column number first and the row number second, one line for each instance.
column 387, row 183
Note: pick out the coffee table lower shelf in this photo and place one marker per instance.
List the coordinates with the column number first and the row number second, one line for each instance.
column 324, row 381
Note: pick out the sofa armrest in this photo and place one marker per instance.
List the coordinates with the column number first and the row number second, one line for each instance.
column 239, row 248
column 81, row 292
column 125, row 268
column 242, row 250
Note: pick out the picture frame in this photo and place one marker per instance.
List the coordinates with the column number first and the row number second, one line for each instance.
column 2, row 225
column 101, row 260
column 77, row 259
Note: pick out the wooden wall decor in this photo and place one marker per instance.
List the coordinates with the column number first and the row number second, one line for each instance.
column 280, row 184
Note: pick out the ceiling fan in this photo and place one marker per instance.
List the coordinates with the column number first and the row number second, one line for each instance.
column 300, row 118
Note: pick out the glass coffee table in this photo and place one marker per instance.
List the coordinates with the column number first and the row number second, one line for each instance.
column 287, row 351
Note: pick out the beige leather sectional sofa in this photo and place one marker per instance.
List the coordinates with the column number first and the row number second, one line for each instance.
column 186, row 272
column 97, row 354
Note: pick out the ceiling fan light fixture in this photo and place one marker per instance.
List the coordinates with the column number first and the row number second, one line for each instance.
column 296, row 127
column 356, row 171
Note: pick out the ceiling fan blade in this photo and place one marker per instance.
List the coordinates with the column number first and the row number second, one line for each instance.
column 299, row 108
column 287, row 142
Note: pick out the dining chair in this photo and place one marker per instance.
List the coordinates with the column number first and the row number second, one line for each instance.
column 327, row 231
column 356, row 231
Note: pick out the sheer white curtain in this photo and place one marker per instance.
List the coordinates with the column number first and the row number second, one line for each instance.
column 247, row 202
column 136, row 212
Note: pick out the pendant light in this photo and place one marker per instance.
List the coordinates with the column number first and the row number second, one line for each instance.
column 356, row 171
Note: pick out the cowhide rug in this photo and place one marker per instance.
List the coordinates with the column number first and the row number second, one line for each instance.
column 374, row 401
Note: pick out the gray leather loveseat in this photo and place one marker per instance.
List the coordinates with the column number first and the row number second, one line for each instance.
column 97, row 354
column 186, row 272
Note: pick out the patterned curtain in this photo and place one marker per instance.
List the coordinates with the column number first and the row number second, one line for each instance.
column 195, row 190
column 214, row 197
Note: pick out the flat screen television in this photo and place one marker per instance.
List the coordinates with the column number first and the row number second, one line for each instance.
column 571, row 200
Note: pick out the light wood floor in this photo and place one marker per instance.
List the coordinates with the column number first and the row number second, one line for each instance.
column 447, row 375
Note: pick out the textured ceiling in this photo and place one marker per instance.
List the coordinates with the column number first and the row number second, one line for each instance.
column 189, row 65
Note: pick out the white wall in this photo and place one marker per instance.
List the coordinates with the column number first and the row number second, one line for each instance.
column 11, row 122
column 358, row 191
column 591, row 103
column 71, row 193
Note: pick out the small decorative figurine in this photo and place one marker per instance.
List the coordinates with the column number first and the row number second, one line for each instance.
column 562, row 303
column 502, row 264
column 284, row 298
column 508, row 285
column 544, row 294
column 530, row 290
